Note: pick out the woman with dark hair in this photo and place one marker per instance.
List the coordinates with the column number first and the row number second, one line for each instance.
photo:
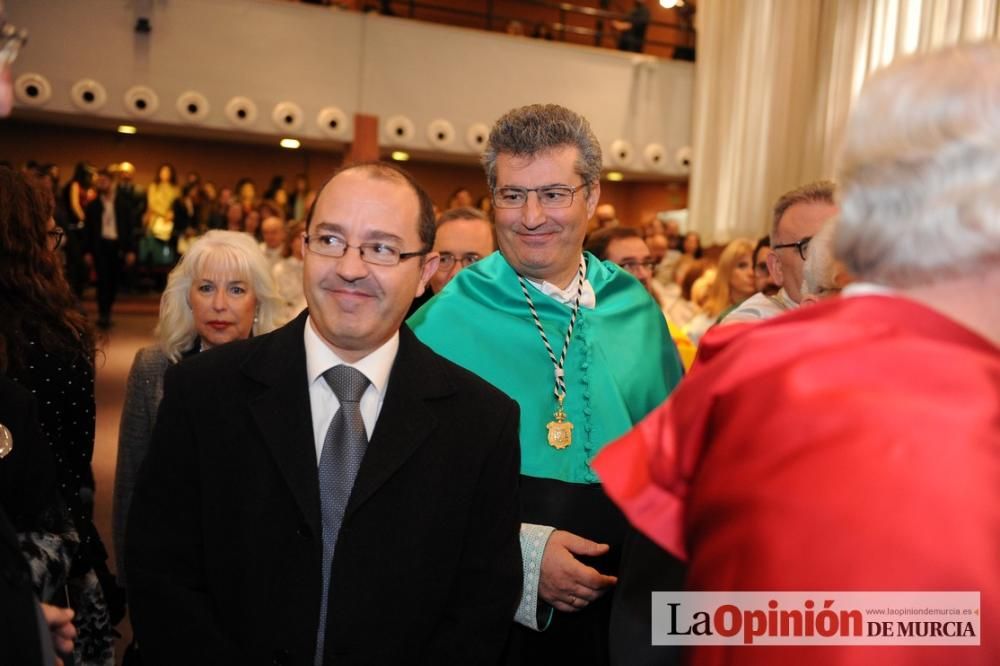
column 75, row 197
column 692, row 245
column 47, row 346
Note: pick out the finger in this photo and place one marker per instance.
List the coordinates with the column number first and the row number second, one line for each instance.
column 62, row 645
column 564, row 607
column 580, row 546
column 67, row 631
column 593, row 579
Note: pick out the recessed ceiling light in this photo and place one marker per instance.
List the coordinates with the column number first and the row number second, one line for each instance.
column 127, row 129
column 615, row 176
column 290, row 143
column 400, row 156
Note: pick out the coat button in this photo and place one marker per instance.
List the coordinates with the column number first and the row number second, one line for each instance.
column 281, row 658
column 302, row 531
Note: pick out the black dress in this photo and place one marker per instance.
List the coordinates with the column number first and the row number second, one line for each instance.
column 63, row 387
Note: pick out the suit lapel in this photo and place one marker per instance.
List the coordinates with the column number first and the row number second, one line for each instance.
column 282, row 413
column 406, row 419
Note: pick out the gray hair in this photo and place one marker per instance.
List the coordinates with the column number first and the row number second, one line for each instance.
column 233, row 251
column 533, row 129
column 820, row 191
column 819, row 273
column 921, row 170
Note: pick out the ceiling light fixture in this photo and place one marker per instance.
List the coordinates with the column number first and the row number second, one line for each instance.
column 290, row 143
column 127, row 129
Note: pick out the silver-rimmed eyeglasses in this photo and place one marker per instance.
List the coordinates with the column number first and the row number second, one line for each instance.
column 377, row 253
column 550, row 196
column 633, row 266
column 448, row 260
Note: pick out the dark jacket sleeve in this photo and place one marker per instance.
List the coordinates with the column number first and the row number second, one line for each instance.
column 488, row 588
column 93, row 213
column 172, row 612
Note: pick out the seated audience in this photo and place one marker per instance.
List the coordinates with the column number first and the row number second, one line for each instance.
column 852, row 445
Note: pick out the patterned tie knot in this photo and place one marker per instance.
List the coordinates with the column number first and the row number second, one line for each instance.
column 348, row 384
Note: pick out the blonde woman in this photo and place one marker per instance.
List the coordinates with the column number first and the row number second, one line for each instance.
column 733, row 284
column 220, row 291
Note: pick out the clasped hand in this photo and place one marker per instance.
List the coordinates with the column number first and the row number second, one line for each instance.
column 565, row 583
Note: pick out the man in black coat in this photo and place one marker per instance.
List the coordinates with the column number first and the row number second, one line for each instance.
column 229, row 538
column 109, row 223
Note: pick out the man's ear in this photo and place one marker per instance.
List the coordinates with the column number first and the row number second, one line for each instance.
column 593, row 198
column 429, row 268
column 774, row 268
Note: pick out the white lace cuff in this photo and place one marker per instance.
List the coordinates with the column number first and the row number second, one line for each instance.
column 533, row 540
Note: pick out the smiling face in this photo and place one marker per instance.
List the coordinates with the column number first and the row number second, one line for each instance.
column 223, row 304
column 544, row 243
column 353, row 305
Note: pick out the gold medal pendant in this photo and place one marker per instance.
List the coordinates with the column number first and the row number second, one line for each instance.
column 560, row 430
column 6, row 441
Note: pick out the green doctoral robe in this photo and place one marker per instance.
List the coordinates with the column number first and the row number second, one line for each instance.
column 620, row 365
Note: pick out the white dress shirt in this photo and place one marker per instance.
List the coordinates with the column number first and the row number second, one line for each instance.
column 376, row 366
column 567, row 296
column 109, row 225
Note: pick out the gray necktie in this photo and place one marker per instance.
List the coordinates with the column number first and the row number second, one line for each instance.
column 343, row 449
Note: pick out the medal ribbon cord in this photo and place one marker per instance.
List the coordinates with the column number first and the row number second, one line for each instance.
column 560, row 386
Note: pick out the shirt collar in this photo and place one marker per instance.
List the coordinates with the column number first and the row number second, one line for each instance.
column 376, row 366
column 784, row 300
column 567, row 296
column 865, row 289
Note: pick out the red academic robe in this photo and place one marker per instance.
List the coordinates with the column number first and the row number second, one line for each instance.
column 853, row 445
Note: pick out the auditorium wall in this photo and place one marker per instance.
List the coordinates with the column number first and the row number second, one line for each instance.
column 223, row 162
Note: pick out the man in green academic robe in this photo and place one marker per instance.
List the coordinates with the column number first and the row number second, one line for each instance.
column 582, row 348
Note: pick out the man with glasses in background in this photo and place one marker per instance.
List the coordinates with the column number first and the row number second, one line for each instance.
column 798, row 216
column 464, row 236
column 334, row 491
column 625, row 247
column 583, row 350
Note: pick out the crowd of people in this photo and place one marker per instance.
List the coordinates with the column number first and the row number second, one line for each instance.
column 371, row 433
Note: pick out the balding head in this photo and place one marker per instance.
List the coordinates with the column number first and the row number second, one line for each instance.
column 605, row 215
column 272, row 230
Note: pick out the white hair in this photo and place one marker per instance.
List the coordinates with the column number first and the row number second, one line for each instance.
column 227, row 251
column 920, row 172
column 819, row 273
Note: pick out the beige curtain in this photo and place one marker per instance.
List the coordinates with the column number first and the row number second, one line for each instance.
column 774, row 83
